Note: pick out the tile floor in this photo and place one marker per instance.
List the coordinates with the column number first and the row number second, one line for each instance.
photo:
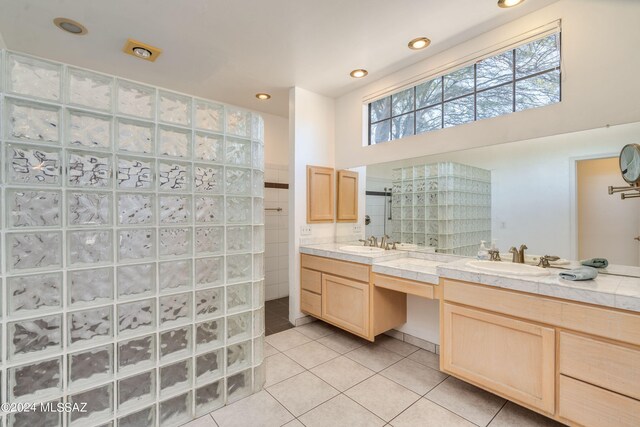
column 319, row 376
column 276, row 316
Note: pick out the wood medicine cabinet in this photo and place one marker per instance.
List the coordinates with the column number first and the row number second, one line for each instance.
column 320, row 194
column 347, row 196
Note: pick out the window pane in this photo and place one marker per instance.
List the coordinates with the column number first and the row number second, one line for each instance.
column 495, row 102
column 380, row 132
column 458, row 112
column 538, row 91
column 402, row 126
column 458, row 83
column 495, row 70
column 381, row 109
column 429, row 93
column 402, row 102
column 429, row 119
column 539, row 55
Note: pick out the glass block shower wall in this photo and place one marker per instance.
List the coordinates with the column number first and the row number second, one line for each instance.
column 443, row 205
column 133, row 236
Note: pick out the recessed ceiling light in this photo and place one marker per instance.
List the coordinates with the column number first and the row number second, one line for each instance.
column 359, row 73
column 263, row 96
column 70, row 26
column 419, row 43
column 509, row 3
column 141, row 50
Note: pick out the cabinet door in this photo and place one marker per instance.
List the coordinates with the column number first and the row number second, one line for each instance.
column 508, row 356
column 347, row 196
column 345, row 303
column 319, row 194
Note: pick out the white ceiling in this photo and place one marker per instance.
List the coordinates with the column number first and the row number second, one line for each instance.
column 229, row 50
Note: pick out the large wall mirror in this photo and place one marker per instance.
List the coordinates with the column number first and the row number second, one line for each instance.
column 549, row 193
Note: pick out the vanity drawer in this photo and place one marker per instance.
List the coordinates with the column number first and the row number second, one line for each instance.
column 336, row 267
column 311, row 280
column 606, row 365
column 310, row 303
column 424, row 290
column 592, row 406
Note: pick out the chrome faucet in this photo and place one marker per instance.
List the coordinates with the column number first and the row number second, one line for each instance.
column 518, row 255
column 373, row 241
column 494, row 255
column 383, row 242
column 364, row 242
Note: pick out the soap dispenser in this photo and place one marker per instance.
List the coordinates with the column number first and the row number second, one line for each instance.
column 483, row 252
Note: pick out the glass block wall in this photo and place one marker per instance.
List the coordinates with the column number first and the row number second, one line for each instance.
column 443, row 205
column 133, row 239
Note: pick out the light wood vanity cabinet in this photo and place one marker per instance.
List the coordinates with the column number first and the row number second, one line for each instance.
column 574, row 362
column 347, row 196
column 320, row 184
column 341, row 293
column 513, row 357
column 345, row 303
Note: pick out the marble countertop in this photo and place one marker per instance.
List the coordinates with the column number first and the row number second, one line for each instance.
column 606, row 290
column 332, row 250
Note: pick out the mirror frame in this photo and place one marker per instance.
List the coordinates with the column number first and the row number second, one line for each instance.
column 636, row 148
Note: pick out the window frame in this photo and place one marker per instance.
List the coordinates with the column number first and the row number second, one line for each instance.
column 513, row 83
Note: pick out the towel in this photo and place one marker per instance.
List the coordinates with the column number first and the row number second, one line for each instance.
column 582, row 273
column 595, row 262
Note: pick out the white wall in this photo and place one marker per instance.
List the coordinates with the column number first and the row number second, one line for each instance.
column 3, row 45
column 599, row 85
column 276, row 139
column 312, row 142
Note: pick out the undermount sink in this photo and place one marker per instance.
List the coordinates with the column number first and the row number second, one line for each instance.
column 510, row 268
column 366, row 250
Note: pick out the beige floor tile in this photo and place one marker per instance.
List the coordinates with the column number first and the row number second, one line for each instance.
column 426, row 358
column 279, row 367
column 311, row 354
column 302, row 393
column 205, row 421
column 340, row 411
column 286, row 340
column 402, row 348
column 294, row 423
column 466, row 400
column 374, row 357
column 342, row 342
column 425, row 413
column 414, row 376
column 269, row 350
column 342, row 372
column 515, row 415
column 316, row 330
column 260, row 409
column 383, row 397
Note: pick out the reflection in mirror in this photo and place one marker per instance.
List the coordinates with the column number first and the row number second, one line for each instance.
column 630, row 163
column 548, row 193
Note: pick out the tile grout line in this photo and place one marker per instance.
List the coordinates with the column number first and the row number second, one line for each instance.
column 496, row 414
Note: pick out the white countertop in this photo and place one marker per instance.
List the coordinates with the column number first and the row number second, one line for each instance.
column 605, row 290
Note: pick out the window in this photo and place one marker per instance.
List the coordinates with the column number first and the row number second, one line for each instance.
column 525, row 77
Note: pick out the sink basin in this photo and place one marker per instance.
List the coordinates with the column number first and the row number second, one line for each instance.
column 365, row 250
column 508, row 268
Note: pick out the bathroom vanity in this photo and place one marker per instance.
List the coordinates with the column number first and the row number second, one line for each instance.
column 568, row 350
